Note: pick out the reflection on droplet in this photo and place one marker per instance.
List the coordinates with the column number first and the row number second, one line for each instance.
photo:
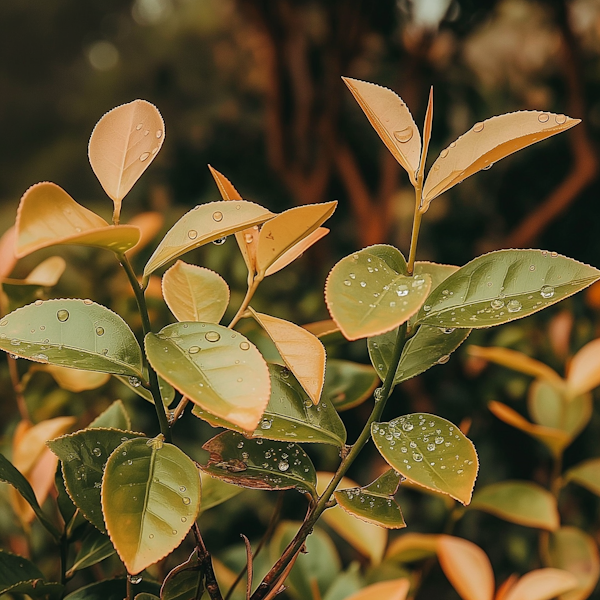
column 497, row 304
column 158, row 133
column 212, row 336
column 194, row 350
column 144, row 156
column 404, row 135
column 478, row 127
column 560, row 119
column 62, row 315
column 283, row 465
column 513, row 306
column 444, row 153
column 265, row 424
column 347, row 282
column 192, row 234
column 139, row 126
column 402, row 290
column 245, row 346
column 547, row 291
column 38, row 302
column 443, row 359
column 186, row 500
column 543, row 118
column 99, row 331
column 417, row 457
column 135, row 579
column 88, row 302
column 220, row 241
column 97, row 452
column 217, row 216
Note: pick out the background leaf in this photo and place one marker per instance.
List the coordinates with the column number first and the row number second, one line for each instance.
column 185, row 581
column 393, row 589
column 348, row 384
column 215, row 491
column 95, row 547
column 115, row 417
column 74, row 380
column 19, row 576
column 542, row 584
column 584, row 369
column 586, row 474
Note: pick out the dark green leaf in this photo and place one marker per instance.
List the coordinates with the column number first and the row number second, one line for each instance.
column 215, row 491
column 114, row 417
column 15, row 569
column 111, row 589
column 184, row 582
column 586, row 474
column 348, row 384
column 95, row 547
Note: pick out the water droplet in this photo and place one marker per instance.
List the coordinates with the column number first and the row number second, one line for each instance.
column 430, row 447
column 265, row 424
column 444, row 153
column 129, row 462
column 532, row 267
column 283, row 465
column 184, row 519
column 99, row 331
column 245, row 346
column 417, row 457
column 478, row 127
column 186, row 500
column 347, row 282
column 135, row 382
column 497, row 304
column 443, row 360
column 404, row 135
column 447, row 330
column 547, row 291
column 192, row 234
column 543, row 118
column 104, row 351
column 213, row 336
column 139, row 126
column 402, row 290
column 144, row 156
column 248, row 237
column 146, row 132
column 439, row 439
column 560, row 119
column 217, row 216
column 220, row 241
column 134, row 579
column 159, row 133
column 363, row 284
column 96, row 452
column 488, row 167
column 407, row 426
column 3, row 323
column 513, row 306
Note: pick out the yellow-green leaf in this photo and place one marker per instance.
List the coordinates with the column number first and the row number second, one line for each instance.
column 46, row 274
column 75, row 380
column 542, row 584
column 488, row 142
column 584, row 369
column 8, row 259
column 194, row 293
column 215, row 491
column 391, row 589
column 586, row 474
column 122, row 146
column 348, row 384
column 411, row 547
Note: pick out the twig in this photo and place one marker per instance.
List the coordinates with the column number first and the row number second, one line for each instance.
column 212, row 586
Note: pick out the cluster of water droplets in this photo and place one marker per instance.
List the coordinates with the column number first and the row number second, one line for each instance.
column 158, row 135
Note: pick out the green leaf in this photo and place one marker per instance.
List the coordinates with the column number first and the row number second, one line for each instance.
column 83, row 455
column 586, row 474
column 114, row 417
column 184, row 582
column 203, row 224
column 521, row 502
column 375, row 503
column 215, row 491
column 216, row 368
column 95, row 547
column 259, row 464
column 429, row 346
column 436, row 271
column 430, row 452
column 150, row 499
column 72, row 333
column 146, row 596
column 110, row 589
column 348, row 384
column 18, row 575
column 366, row 296
column 345, row 584
column 290, row 415
column 503, row 286
column 412, row 547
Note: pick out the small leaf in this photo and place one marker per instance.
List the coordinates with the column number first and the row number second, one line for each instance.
column 467, row 567
column 411, row 547
column 284, row 231
column 586, row 474
column 72, row 333
column 150, row 499
column 114, row 417
column 297, row 250
column 8, row 260
column 95, row 547
column 392, row 121
column 83, row 455
column 427, row 126
column 542, row 584
column 366, row 297
column 348, row 384
column 392, row 589
column 216, row 368
column 194, row 293
column 488, row 142
column 75, row 380
column 48, row 216
column 429, row 346
column 503, row 286
column 322, row 328
column 122, row 146
column 46, row 274
column 375, row 503
column 300, row 350
column 185, row 581
column 430, row 452
column 19, row 576
column 584, row 369
column 215, row 491
column 203, row 224
column 259, row 464
column 521, row 502
column 574, row 551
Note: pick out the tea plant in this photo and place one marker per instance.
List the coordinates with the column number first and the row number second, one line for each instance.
column 120, row 490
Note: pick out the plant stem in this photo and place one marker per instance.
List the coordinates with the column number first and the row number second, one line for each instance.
column 418, row 215
column 212, row 586
column 129, row 589
column 381, row 397
column 249, row 293
column 152, row 377
column 64, row 547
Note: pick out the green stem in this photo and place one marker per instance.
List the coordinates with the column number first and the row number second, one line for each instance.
column 252, row 285
column 64, row 547
column 381, row 397
column 418, row 215
column 152, row 377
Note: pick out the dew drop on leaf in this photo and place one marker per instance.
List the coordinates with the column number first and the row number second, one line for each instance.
column 212, row 336
column 547, row 291
column 192, row 234
column 144, row 156
column 62, row 315
column 478, row 127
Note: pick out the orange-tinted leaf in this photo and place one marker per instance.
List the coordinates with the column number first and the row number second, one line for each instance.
column 542, row 584
column 584, row 369
column 8, row 258
column 426, row 132
column 322, row 328
column 149, row 224
column 411, row 547
column 392, row 589
column 74, row 380
column 295, row 251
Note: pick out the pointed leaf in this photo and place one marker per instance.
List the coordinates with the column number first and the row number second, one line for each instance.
column 542, row 584
column 216, row 368
column 150, row 499
column 260, row 464
column 488, row 142
column 114, row 417
column 19, row 576
column 366, row 297
column 95, row 547
column 194, row 293
column 72, row 333
column 215, row 491
column 586, row 474
column 430, row 452
column 392, row 589
column 522, row 502
column 122, row 146
column 584, row 369
column 348, row 384
column 467, row 567
column 427, row 126
column 284, row 231
column 203, row 224
column 48, row 216
column 375, row 503
column 297, row 250
column 185, row 581
column 392, row 121
column 83, row 456
column 503, row 286
column 75, row 380
column 411, row 547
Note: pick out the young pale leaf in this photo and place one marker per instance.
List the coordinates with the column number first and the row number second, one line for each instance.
column 8, row 260
column 346, row 583
column 391, row 589
column 122, row 146
column 194, row 293
column 430, row 452
column 392, row 121
column 521, row 502
column 427, row 127
column 290, row 415
column 300, row 350
column 114, row 417
column 283, row 232
column 297, row 250
column 259, row 464
column 149, row 224
column 216, row 368
column 467, row 567
column 348, row 384
column 95, row 547
column 542, row 584
column 572, row 550
column 375, row 503
column 503, row 286
column 584, row 369
column 150, row 499
column 486, row 143
column 215, row 491
column 75, row 380
column 203, row 224
column 586, row 474
column 46, row 274
column 185, row 581
column 83, row 456
column 19, row 576
column 430, row 346
column 72, row 333
column 366, row 296
column 322, row 328
column 48, row 216
column 411, row 547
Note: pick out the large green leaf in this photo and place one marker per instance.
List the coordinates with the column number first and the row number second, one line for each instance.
column 72, row 333
column 84, row 455
column 111, row 589
column 366, row 296
column 95, row 547
column 216, row 368
column 348, row 384
column 114, row 417
column 19, row 576
column 184, row 582
column 290, row 415
column 522, row 502
column 430, row 452
column 203, row 224
column 215, row 491
column 150, row 499
column 375, row 503
column 257, row 463
column 586, row 474
column 503, row 286
column 429, row 346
